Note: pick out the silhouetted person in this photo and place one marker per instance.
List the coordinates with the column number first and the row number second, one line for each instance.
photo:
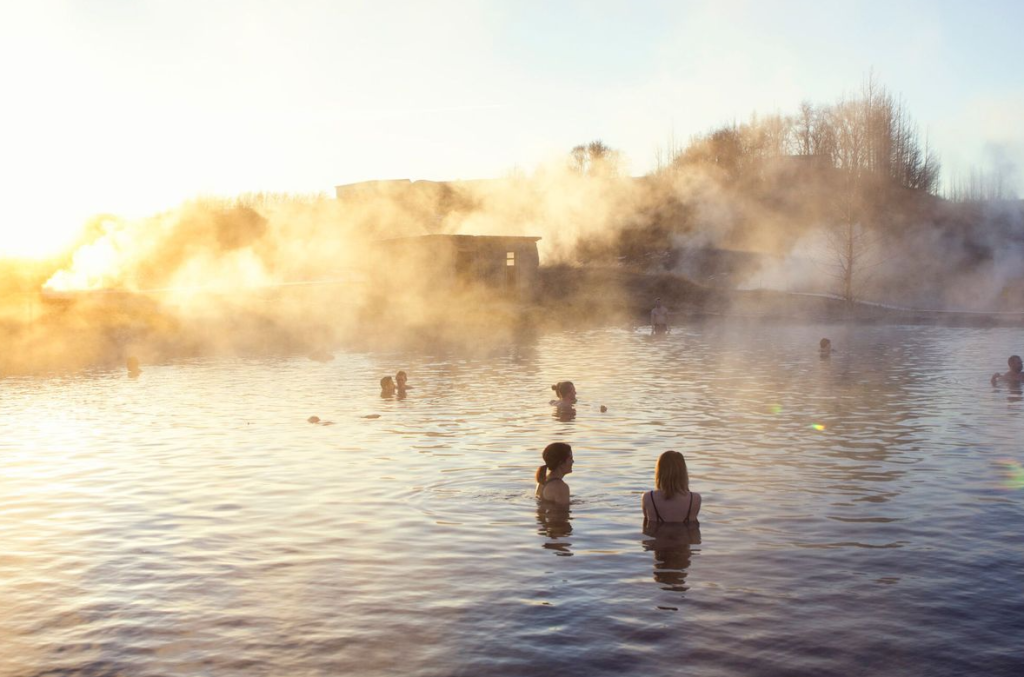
column 564, row 409
column 133, row 366
column 825, row 347
column 1015, row 375
column 401, row 381
column 387, row 387
column 566, row 392
column 671, row 500
column 557, row 464
column 318, row 421
column 659, row 318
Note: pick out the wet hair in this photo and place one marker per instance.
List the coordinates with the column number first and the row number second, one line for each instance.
column 401, row 376
column 386, row 383
column 670, row 475
column 562, row 388
column 825, row 343
column 555, row 454
column 1012, row 359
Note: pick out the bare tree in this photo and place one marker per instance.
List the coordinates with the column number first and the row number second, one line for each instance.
column 981, row 186
column 665, row 155
column 875, row 151
column 804, row 128
column 864, row 150
column 851, row 245
column 595, row 159
column 578, row 160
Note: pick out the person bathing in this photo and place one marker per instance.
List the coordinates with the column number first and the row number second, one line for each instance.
column 1016, row 373
column 671, row 500
column 566, row 392
column 557, row 464
column 401, row 381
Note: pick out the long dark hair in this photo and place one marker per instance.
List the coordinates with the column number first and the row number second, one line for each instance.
column 555, row 454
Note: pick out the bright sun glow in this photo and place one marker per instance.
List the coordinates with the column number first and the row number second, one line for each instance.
column 28, row 235
column 89, row 266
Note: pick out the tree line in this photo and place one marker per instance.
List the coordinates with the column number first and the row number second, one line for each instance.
column 871, row 138
column 843, row 167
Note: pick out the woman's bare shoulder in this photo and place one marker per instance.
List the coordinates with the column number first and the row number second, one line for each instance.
column 555, row 490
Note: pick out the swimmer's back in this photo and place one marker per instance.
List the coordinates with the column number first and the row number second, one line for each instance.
column 554, row 490
column 682, row 507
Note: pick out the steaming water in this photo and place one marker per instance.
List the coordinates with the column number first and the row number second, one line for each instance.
column 191, row 522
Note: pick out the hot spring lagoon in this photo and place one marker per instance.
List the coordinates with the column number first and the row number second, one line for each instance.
column 862, row 514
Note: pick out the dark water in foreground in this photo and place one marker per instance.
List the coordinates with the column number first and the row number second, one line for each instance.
column 862, row 515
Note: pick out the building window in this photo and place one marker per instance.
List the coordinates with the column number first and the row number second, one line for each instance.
column 510, row 258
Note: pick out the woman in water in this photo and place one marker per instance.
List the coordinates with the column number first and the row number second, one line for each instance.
column 566, row 392
column 401, row 380
column 671, row 500
column 557, row 464
column 387, row 387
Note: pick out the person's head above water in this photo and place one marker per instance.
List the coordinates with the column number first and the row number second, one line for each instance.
column 557, row 459
column 825, row 344
column 565, row 390
column 1015, row 363
column 671, row 475
column 386, row 384
column 133, row 365
column 400, row 378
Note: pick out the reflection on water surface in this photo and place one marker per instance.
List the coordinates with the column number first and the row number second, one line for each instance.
column 861, row 513
column 672, row 545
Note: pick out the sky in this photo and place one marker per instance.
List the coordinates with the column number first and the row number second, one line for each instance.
column 130, row 107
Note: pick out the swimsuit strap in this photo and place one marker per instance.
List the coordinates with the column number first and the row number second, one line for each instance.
column 655, row 506
column 688, row 508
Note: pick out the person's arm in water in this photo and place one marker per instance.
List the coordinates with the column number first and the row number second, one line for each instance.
column 696, row 507
column 995, row 378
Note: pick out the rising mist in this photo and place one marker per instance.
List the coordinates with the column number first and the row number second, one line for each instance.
column 837, row 199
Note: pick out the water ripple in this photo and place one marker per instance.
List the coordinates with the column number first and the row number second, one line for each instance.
column 191, row 521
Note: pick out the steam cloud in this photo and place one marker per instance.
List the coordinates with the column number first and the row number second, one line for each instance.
column 271, row 272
